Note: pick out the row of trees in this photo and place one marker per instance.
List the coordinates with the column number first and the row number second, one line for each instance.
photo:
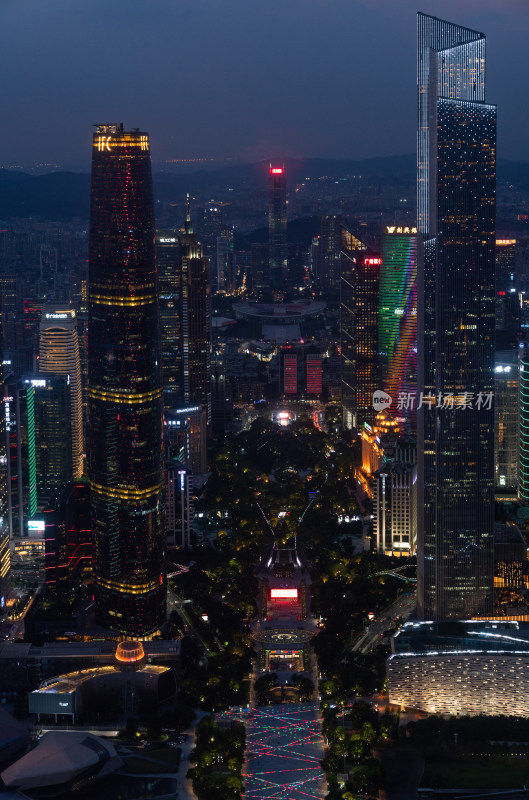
column 218, row 757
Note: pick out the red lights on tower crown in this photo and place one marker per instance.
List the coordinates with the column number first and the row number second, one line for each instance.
column 276, row 170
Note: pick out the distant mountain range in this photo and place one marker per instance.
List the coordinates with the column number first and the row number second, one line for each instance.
column 62, row 195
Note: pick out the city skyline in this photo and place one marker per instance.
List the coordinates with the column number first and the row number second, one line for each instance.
column 238, row 53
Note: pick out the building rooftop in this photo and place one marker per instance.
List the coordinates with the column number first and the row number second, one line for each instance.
column 415, row 638
column 59, row 758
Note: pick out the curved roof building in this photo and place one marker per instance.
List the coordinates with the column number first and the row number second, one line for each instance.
column 60, row 760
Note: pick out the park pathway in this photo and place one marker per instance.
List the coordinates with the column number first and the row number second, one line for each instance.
column 284, row 741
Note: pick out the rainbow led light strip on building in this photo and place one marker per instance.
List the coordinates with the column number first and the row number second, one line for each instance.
column 397, row 337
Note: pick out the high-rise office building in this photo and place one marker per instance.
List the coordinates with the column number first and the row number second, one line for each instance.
column 19, row 406
column 314, row 371
column 290, row 371
column 59, row 355
column 185, row 437
column 49, row 264
column 5, row 556
column 455, row 323
column 260, row 271
column 170, row 298
column 209, row 227
column 125, row 386
column 225, row 261
column 277, row 225
column 68, row 538
column 395, row 502
column 328, row 254
column 508, row 308
column 397, row 331
column 53, row 433
column 523, row 453
column 196, row 320
column 179, row 505
column 506, row 421
column 505, row 277
column 359, row 300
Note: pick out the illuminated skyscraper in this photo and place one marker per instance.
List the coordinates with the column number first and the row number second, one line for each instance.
column 59, row 355
column 277, row 225
column 397, row 332
column 196, row 320
column 506, row 421
column 124, row 386
column 314, row 371
column 53, row 435
column 19, row 406
column 523, row 458
column 359, row 300
column 68, row 538
column 5, row 556
column 170, row 297
column 290, row 370
column 455, row 322
column 508, row 311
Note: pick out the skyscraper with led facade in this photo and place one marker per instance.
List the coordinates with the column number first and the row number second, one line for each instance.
column 59, row 355
column 277, row 225
column 397, row 330
column 523, row 457
column 125, row 386
column 455, row 321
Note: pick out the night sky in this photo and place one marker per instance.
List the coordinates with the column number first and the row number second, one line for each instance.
column 241, row 79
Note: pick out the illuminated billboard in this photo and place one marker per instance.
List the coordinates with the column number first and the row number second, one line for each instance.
column 284, row 594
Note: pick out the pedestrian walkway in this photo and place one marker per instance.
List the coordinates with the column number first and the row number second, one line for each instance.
column 283, row 751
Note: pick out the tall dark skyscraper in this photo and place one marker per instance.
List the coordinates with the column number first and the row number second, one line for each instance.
column 277, row 225
column 196, row 320
column 124, row 386
column 455, row 322
column 328, row 267
column 359, row 301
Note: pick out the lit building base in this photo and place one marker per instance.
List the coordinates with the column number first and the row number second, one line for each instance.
column 136, row 615
column 460, row 683
column 460, row 667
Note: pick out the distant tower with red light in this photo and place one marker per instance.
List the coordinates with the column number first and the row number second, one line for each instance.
column 277, row 225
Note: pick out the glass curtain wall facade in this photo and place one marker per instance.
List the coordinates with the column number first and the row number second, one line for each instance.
column 196, row 321
column 19, row 406
column 506, row 422
column 359, row 299
column 170, row 298
column 455, row 342
column 125, row 387
column 397, row 339
column 523, row 462
column 53, row 440
column 59, row 355
column 277, row 226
